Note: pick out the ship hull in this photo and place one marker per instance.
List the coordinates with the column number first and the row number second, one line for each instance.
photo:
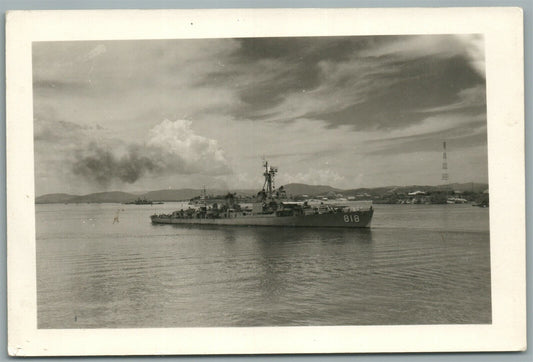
column 352, row 219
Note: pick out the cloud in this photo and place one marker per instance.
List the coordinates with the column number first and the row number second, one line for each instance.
column 306, row 102
column 172, row 148
column 369, row 83
column 131, row 81
column 461, row 131
column 53, row 131
column 474, row 45
column 433, row 125
column 474, row 97
column 341, row 85
column 470, row 46
column 177, row 144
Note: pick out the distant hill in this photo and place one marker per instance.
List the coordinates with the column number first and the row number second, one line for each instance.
column 311, row 190
column 171, row 195
column 293, row 189
column 464, row 187
column 468, row 186
column 121, row 197
column 112, row 196
column 100, row 197
column 372, row 191
column 187, row 194
column 54, row 198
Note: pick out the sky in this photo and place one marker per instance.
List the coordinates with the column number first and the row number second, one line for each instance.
column 349, row 112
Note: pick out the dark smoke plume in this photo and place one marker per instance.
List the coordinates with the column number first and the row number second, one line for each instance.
column 100, row 165
column 171, row 148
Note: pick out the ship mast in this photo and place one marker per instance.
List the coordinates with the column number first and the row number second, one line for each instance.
column 270, row 173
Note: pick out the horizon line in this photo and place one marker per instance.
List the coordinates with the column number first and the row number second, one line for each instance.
column 252, row 189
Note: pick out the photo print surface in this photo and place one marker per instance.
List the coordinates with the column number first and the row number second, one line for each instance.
column 241, row 182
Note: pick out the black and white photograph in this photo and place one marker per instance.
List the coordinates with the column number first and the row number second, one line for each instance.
column 358, row 166
column 262, row 181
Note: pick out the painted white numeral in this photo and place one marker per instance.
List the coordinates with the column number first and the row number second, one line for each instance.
column 352, row 218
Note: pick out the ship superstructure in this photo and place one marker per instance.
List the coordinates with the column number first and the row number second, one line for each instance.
column 270, row 208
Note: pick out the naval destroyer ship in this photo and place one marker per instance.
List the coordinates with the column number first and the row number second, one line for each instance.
column 270, row 208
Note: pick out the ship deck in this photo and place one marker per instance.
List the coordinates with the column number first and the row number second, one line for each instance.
column 352, row 219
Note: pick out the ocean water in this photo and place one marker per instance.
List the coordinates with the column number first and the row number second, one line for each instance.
column 418, row 264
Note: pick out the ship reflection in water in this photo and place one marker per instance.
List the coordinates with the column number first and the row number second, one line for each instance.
column 419, row 264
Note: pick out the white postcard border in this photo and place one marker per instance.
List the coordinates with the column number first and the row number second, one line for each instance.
column 503, row 33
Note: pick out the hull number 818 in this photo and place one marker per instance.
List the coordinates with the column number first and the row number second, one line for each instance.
column 351, row 218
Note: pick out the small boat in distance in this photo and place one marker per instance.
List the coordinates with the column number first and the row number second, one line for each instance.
column 141, row 201
column 270, row 208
